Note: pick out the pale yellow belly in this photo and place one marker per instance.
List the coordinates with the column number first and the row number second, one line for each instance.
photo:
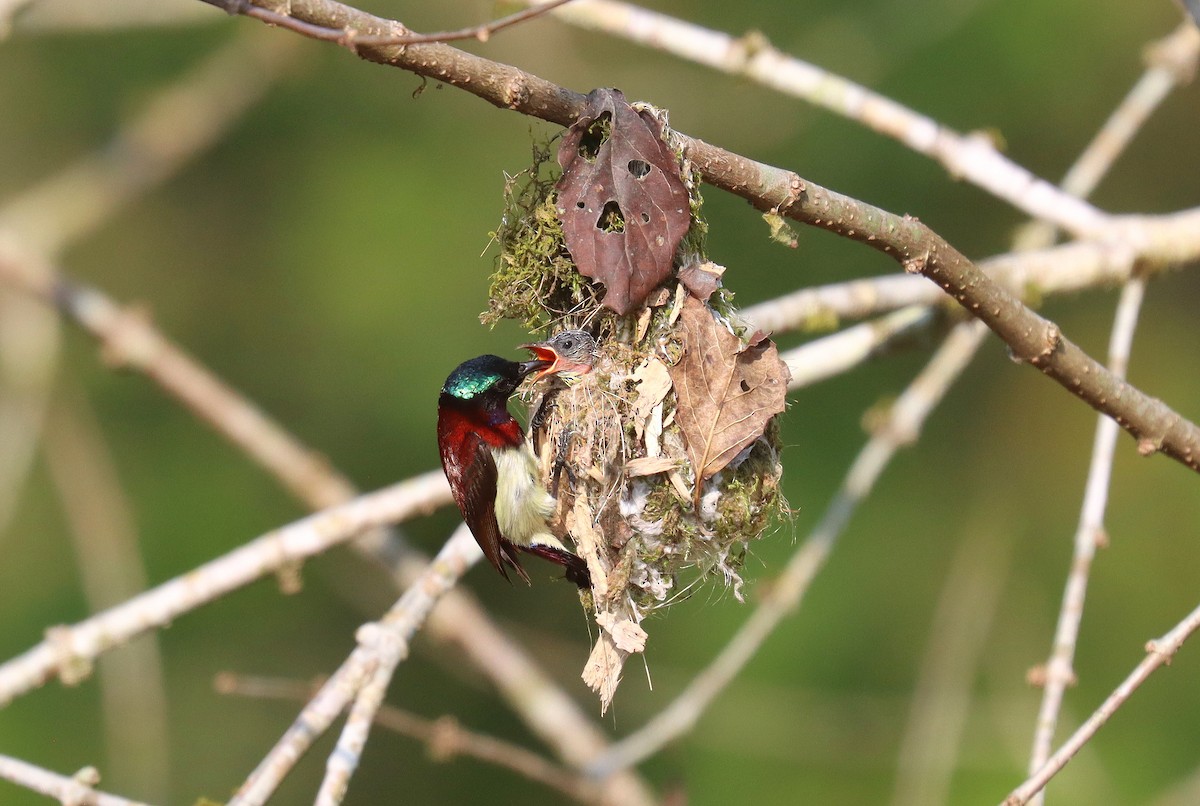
column 522, row 504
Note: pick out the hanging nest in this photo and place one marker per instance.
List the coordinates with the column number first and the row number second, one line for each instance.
column 664, row 459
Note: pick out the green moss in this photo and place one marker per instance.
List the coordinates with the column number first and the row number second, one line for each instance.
column 535, row 281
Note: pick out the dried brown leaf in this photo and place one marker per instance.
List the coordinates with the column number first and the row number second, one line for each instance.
column 726, row 391
column 622, row 203
column 701, row 278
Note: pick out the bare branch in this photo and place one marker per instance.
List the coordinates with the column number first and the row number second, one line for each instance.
column 1058, row 673
column 68, row 651
column 1158, row 653
column 1061, row 269
column 344, row 759
column 78, row 789
column 445, row 737
column 972, row 157
column 381, row 645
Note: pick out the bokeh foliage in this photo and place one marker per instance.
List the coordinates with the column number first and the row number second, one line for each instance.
column 329, row 258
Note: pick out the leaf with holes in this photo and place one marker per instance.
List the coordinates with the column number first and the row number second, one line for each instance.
column 726, row 391
column 622, row 203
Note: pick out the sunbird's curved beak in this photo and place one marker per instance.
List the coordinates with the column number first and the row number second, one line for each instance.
column 540, row 365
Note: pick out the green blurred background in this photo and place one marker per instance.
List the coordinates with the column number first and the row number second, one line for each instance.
column 329, row 257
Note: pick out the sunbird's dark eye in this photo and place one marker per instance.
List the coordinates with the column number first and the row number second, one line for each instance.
column 568, row 344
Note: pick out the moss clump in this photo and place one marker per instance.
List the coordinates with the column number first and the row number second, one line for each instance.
column 535, row 282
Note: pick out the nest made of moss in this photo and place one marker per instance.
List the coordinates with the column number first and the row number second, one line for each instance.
column 613, row 445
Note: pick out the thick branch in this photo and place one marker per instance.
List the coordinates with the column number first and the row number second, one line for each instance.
column 903, row 238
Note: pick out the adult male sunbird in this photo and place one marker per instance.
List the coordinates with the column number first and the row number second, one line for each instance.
column 492, row 472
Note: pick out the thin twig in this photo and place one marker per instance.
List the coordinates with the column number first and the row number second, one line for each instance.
column 132, row 693
column 68, row 651
column 903, row 424
column 1064, row 269
column 1058, row 672
column 344, row 759
column 348, row 37
column 1158, row 653
column 380, row 645
column 1171, row 62
column 445, row 737
column 77, row 790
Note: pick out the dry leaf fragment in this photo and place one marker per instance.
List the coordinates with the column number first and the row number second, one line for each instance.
column 653, row 431
column 602, row 672
column 653, row 381
column 626, row 634
column 702, row 278
column 726, row 391
column 623, row 206
column 648, row 465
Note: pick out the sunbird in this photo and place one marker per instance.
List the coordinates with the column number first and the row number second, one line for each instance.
column 492, row 472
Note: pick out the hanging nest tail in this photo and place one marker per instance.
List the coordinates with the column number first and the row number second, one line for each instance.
column 664, row 459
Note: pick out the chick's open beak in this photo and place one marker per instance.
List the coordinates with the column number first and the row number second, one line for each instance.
column 544, row 361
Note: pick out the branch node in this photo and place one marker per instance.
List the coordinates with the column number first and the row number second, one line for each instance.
column 796, row 188
column 1052, row 338
column 744, row 49
column 72, row 667
column 445, row 739
column 917, row 263
column 1166, row 652
column 1148, row 446
column 1177, row 53
column 129, row 341
column 516, row 92
column 80, row 791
